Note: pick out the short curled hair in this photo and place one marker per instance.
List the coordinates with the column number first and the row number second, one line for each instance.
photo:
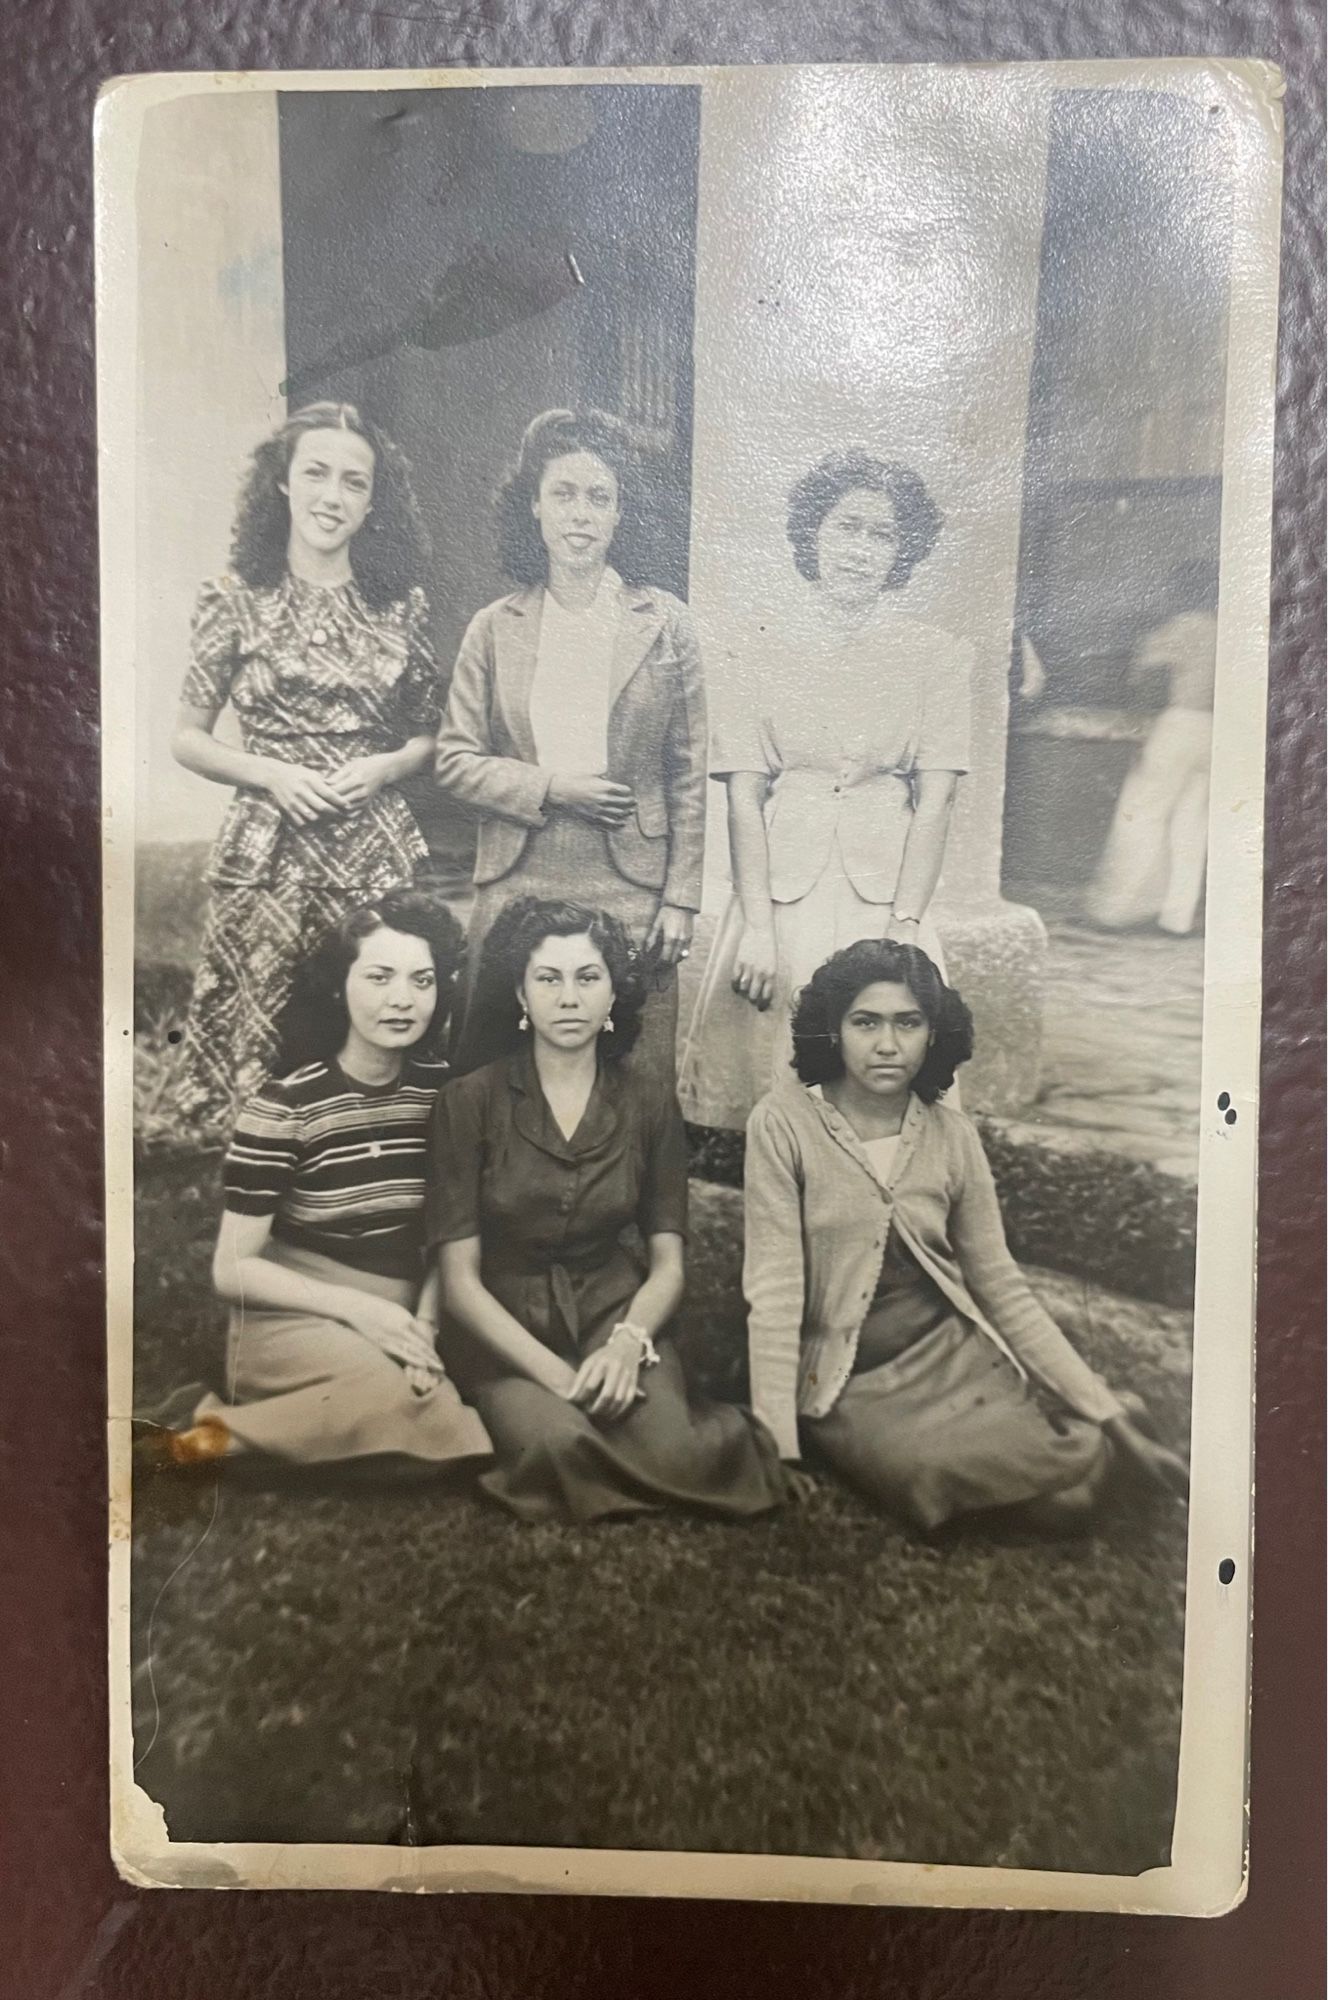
column 918, row 520
column 554, row 434
column 389, row 553
column 517, row 933
column 314, row 1023
column 829, row 994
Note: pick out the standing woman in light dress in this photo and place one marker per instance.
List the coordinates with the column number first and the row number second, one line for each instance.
column 318, row 637
column 575, row 723
column 843, row 735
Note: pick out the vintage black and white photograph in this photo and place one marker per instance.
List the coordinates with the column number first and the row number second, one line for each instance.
column 684, row 675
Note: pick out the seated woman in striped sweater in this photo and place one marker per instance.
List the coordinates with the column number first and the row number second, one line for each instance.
column 330, row 1355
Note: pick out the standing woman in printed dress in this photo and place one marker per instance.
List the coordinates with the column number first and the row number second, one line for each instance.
column 575, row 723
column 318, row 636
column 844, row 734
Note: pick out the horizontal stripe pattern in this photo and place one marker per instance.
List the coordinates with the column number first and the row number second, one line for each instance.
column 338, row 1166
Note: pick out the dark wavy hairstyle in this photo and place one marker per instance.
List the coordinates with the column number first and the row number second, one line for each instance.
column 314, row 1023
column 918, row 520
column 517, row 933
column 554, row 434
column 829, row 994
column 390, row 551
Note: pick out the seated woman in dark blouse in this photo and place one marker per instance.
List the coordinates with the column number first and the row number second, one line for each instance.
column 331, row 1350
column 545, row 1164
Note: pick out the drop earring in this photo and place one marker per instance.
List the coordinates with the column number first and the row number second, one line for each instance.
column 523, row 1025
column 608, row 1028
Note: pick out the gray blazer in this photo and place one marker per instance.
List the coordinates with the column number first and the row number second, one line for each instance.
column 657, row 739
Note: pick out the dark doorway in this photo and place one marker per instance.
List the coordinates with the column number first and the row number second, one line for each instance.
column 458, row 260
column 1122, row 483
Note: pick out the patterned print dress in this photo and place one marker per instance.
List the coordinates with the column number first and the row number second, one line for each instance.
column 316, row 677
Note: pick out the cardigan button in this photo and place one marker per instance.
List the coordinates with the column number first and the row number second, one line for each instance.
column 318, row 637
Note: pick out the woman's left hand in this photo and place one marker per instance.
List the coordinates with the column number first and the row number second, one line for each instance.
column 606, row 1382
column 358, row 781
column 670, row 936
column 1155, row 1464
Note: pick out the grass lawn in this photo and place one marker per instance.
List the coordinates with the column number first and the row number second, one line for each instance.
column 410, row 1666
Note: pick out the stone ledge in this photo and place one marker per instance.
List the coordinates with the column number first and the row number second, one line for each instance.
column 1131, row 1341
column 1069, row 1203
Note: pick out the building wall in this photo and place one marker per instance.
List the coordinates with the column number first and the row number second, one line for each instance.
column 211, row 359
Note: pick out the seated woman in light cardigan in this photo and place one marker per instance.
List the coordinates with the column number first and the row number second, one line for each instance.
column 891, row 1332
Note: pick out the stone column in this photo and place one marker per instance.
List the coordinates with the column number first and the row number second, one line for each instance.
column 211, row 359
column 867, row 268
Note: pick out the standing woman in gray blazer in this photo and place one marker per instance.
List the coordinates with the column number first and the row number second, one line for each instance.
column 575, row 724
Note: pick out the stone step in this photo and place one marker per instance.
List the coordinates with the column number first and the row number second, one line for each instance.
column 1071, row 1202
column 1132, row 1342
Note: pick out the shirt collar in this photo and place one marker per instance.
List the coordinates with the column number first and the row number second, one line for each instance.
column 843, row 1134
column 534, row 1120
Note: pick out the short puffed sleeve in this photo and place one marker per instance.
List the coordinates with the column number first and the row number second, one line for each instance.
column 456, row 1161
column 944, row 736
column 740, row 730
column 420, row 691
column 214, row 651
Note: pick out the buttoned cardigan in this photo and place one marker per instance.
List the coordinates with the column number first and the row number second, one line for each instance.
column 817, row 1222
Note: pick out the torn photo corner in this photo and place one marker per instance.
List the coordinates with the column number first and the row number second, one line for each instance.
column 684, row 670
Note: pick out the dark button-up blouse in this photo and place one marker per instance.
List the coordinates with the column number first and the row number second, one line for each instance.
column 316, row 677
column 560, row 1221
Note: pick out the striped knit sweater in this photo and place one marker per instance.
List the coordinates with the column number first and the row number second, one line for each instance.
column 339, row 1165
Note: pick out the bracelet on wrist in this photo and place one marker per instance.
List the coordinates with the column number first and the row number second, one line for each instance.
column 648, row 1350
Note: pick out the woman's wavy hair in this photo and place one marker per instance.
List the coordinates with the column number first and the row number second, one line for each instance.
column 517, row 933
column 314, row 1023
column 389, row 553
column 918, row 520
column 829, row 994
column 555, row 433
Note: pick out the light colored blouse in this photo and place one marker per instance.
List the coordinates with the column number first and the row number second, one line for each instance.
column 817, row 1223
column 840, row 714
column 569, row 695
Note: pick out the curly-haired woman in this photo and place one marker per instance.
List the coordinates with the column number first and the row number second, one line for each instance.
column 890, row 1331
column 318, row 637
column 558, row 1202
column 842, row 733
column 575, row 721
column 331, row 1352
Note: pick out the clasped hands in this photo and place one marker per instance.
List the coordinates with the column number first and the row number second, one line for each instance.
column 607, row 1383
column 305, row 795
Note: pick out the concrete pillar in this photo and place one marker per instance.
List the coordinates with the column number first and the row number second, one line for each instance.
column 867, row 269
column 211, row 358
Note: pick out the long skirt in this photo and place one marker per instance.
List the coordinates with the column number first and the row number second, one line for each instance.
column 732, row 1054
column 565, row 861
column 556, row 1463
column 1156, row 854
column 311, row 1391
column 950, row 1427
column 255, row 936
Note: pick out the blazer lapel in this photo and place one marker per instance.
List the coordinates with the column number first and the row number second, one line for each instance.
column 638, row 628
column 516, row 647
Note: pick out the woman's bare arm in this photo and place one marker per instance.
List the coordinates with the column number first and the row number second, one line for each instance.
column 466, row 1298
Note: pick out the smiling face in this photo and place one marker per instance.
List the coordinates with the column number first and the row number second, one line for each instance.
column 329, row 484
column 567, row 992
column 857, row 544
column 578, row 509
column 883, row 1039
column 391, row 992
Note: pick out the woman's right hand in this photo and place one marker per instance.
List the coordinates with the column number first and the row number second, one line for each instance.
column 303, row 795
column 377, row 1318
column 596, row 799
column 756, row 966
